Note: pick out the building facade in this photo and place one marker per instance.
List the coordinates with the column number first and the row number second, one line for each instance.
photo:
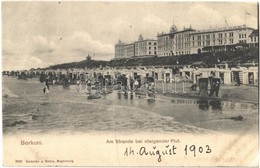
column 129, row 50
column 166, row 42
column 146, row 47
column 182, row 41
column 140, row 48
column 253, row 39
column 190, row 41
column 119, row 50
column 222, row 39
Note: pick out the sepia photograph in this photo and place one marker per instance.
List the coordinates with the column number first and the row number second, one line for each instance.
column 141, row 83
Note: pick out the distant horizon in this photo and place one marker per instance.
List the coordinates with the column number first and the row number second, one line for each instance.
column 51, row 33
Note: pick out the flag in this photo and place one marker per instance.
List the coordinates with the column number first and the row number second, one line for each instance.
column 247, row 13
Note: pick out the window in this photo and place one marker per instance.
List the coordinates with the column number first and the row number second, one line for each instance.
column 225, row 35
column 213, row 36
column 231, row 34
column 220, row 42
column 154, row 48
column 193, row 38
column 154, row 43
column 199, row 43
column 242, row 35
column 245, row 35
column 203, row 37
column 155, row 52
column 150, row 48
column 230, row 41
column 199, row 37
column 203, row 44
column 239, row 35
column 220, row 35
column 149, row 43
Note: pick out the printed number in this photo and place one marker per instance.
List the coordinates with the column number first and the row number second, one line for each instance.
column 18, row 161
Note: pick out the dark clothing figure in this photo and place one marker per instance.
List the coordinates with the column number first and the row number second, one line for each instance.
column 46, row 87
column 238, row 82
column 214, row 88
column 47, row 83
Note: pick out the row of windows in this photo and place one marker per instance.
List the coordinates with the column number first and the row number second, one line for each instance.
column 177, row 53
column 150, row 43
column 220, row 35
column 242, row 35
column 150, row 52
column 151, row 48
column 183, row 52
column 183, row 35
column 253, row 39
column 207, row 43
column 242, row 41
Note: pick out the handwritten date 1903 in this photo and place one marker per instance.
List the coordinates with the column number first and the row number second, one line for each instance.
column 194, row 149
column 167, row 150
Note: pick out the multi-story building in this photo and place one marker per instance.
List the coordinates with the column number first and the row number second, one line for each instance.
column 253, row 39
column 182, row 41
column 190, row 41
column 140, row 48
column 119, row 50
column 146, row 47
column 222, row 39
column 129, row 50
column 166, row 43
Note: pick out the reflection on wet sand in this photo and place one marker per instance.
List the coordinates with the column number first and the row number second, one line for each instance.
column 68, row 110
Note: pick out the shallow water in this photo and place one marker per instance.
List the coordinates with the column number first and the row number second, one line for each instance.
column 27, row 110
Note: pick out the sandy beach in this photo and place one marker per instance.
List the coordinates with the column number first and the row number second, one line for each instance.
column 27, row 110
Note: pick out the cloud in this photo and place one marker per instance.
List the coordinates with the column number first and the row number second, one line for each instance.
column 40, row 45
column 202, row 17
column 72, row 30
column 38, row 51
column 35, row 60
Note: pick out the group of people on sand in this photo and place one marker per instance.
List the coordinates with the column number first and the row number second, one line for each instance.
column 214, row 85
column 97, row 85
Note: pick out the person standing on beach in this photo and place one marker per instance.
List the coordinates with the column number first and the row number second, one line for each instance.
column 214, row 88
column 46, row 86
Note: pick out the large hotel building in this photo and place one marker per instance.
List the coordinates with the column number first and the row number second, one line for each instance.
column 190, row 41
column 142, row 47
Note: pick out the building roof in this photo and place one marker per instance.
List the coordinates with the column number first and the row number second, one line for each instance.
column 185, row 30
column 173, row 28
column 221, row 29
column 176, row 32
column 140, row 38
column 254, row 33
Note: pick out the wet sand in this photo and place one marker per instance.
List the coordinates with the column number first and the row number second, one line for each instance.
column 28, row 110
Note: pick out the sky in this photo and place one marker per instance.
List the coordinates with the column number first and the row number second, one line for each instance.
column 40, row 34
